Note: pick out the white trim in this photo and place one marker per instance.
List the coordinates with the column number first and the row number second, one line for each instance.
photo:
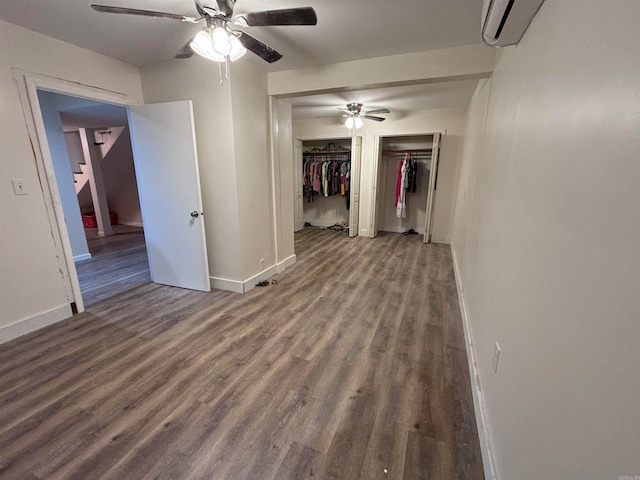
column 131, row 224
column 441, row 239
column 250, row 283
column 28, row 325
column 80, row 258
column 486, row 446
column 226, row 284
column 286, row 263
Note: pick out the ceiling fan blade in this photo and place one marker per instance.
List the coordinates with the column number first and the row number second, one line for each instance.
column 185, row 52
column 144, row 13
column 379, row 110
column 286, row 16
column 200, row 9
column 265, row 52
column 377, row 119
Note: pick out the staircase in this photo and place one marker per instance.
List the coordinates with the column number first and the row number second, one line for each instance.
column 79, row 165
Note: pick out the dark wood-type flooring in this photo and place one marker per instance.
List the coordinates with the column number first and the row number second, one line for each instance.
column 119, row 263
column 352, row 366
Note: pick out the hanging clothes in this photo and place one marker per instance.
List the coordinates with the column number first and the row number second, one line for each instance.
column 326, row 175
column 412, row 173
column 401, row 186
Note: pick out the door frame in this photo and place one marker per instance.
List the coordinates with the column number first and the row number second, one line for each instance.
column 376, row 178
column 354, row 188
column 431, row 192
column 28, row 84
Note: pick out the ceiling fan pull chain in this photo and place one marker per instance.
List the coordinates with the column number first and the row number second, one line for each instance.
column 227, row 68
column 220, row 74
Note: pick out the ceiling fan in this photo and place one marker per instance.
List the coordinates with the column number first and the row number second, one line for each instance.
column 218, row 41
column 354, row 115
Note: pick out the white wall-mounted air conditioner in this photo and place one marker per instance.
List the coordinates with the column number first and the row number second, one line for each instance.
column 505, row 21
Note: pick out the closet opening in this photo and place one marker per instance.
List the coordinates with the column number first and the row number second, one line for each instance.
column 406, row 172
column 327, row 189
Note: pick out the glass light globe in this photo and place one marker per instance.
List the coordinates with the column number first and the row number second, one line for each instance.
column 237, row 49
column 221, row 42
column 349, row 122
column 202, row 45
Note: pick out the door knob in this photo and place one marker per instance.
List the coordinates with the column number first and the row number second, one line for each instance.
column 194, row 214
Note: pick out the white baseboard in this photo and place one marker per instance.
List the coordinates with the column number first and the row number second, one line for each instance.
column 80, row 258
column 486, row 446
column 31, row 324
column 250, row 283
column 441, row 239
column 243, row 287
column 286, row 263
column 225, row 284
column 131, row 224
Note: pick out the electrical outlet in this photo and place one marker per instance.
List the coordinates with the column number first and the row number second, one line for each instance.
column 496, row 357
column 262, row 264
column 18, row 187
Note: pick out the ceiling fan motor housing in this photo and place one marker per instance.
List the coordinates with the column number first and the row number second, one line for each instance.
column 354, row 107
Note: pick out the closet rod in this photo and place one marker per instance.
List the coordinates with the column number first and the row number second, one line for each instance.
column 402, row 152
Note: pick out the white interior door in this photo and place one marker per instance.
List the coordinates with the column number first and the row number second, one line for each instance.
column 432, row 187
column 166, row 163
column 354, row 201
column 298, row 220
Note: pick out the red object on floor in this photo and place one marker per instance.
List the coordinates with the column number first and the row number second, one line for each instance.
column 89, row 220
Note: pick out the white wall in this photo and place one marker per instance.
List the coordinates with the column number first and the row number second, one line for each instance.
column 232, row 137
column 410, row 123
column 32, row 290
column 253, row 166
column 50, row 105
column 546, row 244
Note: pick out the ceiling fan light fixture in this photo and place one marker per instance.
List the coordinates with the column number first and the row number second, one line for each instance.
column 221, row 41
column 349, row 122
column 353, row 122
column 203, row 46
column 237, row 49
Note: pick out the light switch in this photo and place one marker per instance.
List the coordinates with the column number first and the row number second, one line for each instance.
column 18, row 187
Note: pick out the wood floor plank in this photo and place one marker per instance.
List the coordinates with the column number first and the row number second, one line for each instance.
column 352, row 364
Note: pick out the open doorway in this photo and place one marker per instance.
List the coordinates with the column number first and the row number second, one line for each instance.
column 406, row 171
column 166, row 165
column 327, row 184
column 92, row 158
